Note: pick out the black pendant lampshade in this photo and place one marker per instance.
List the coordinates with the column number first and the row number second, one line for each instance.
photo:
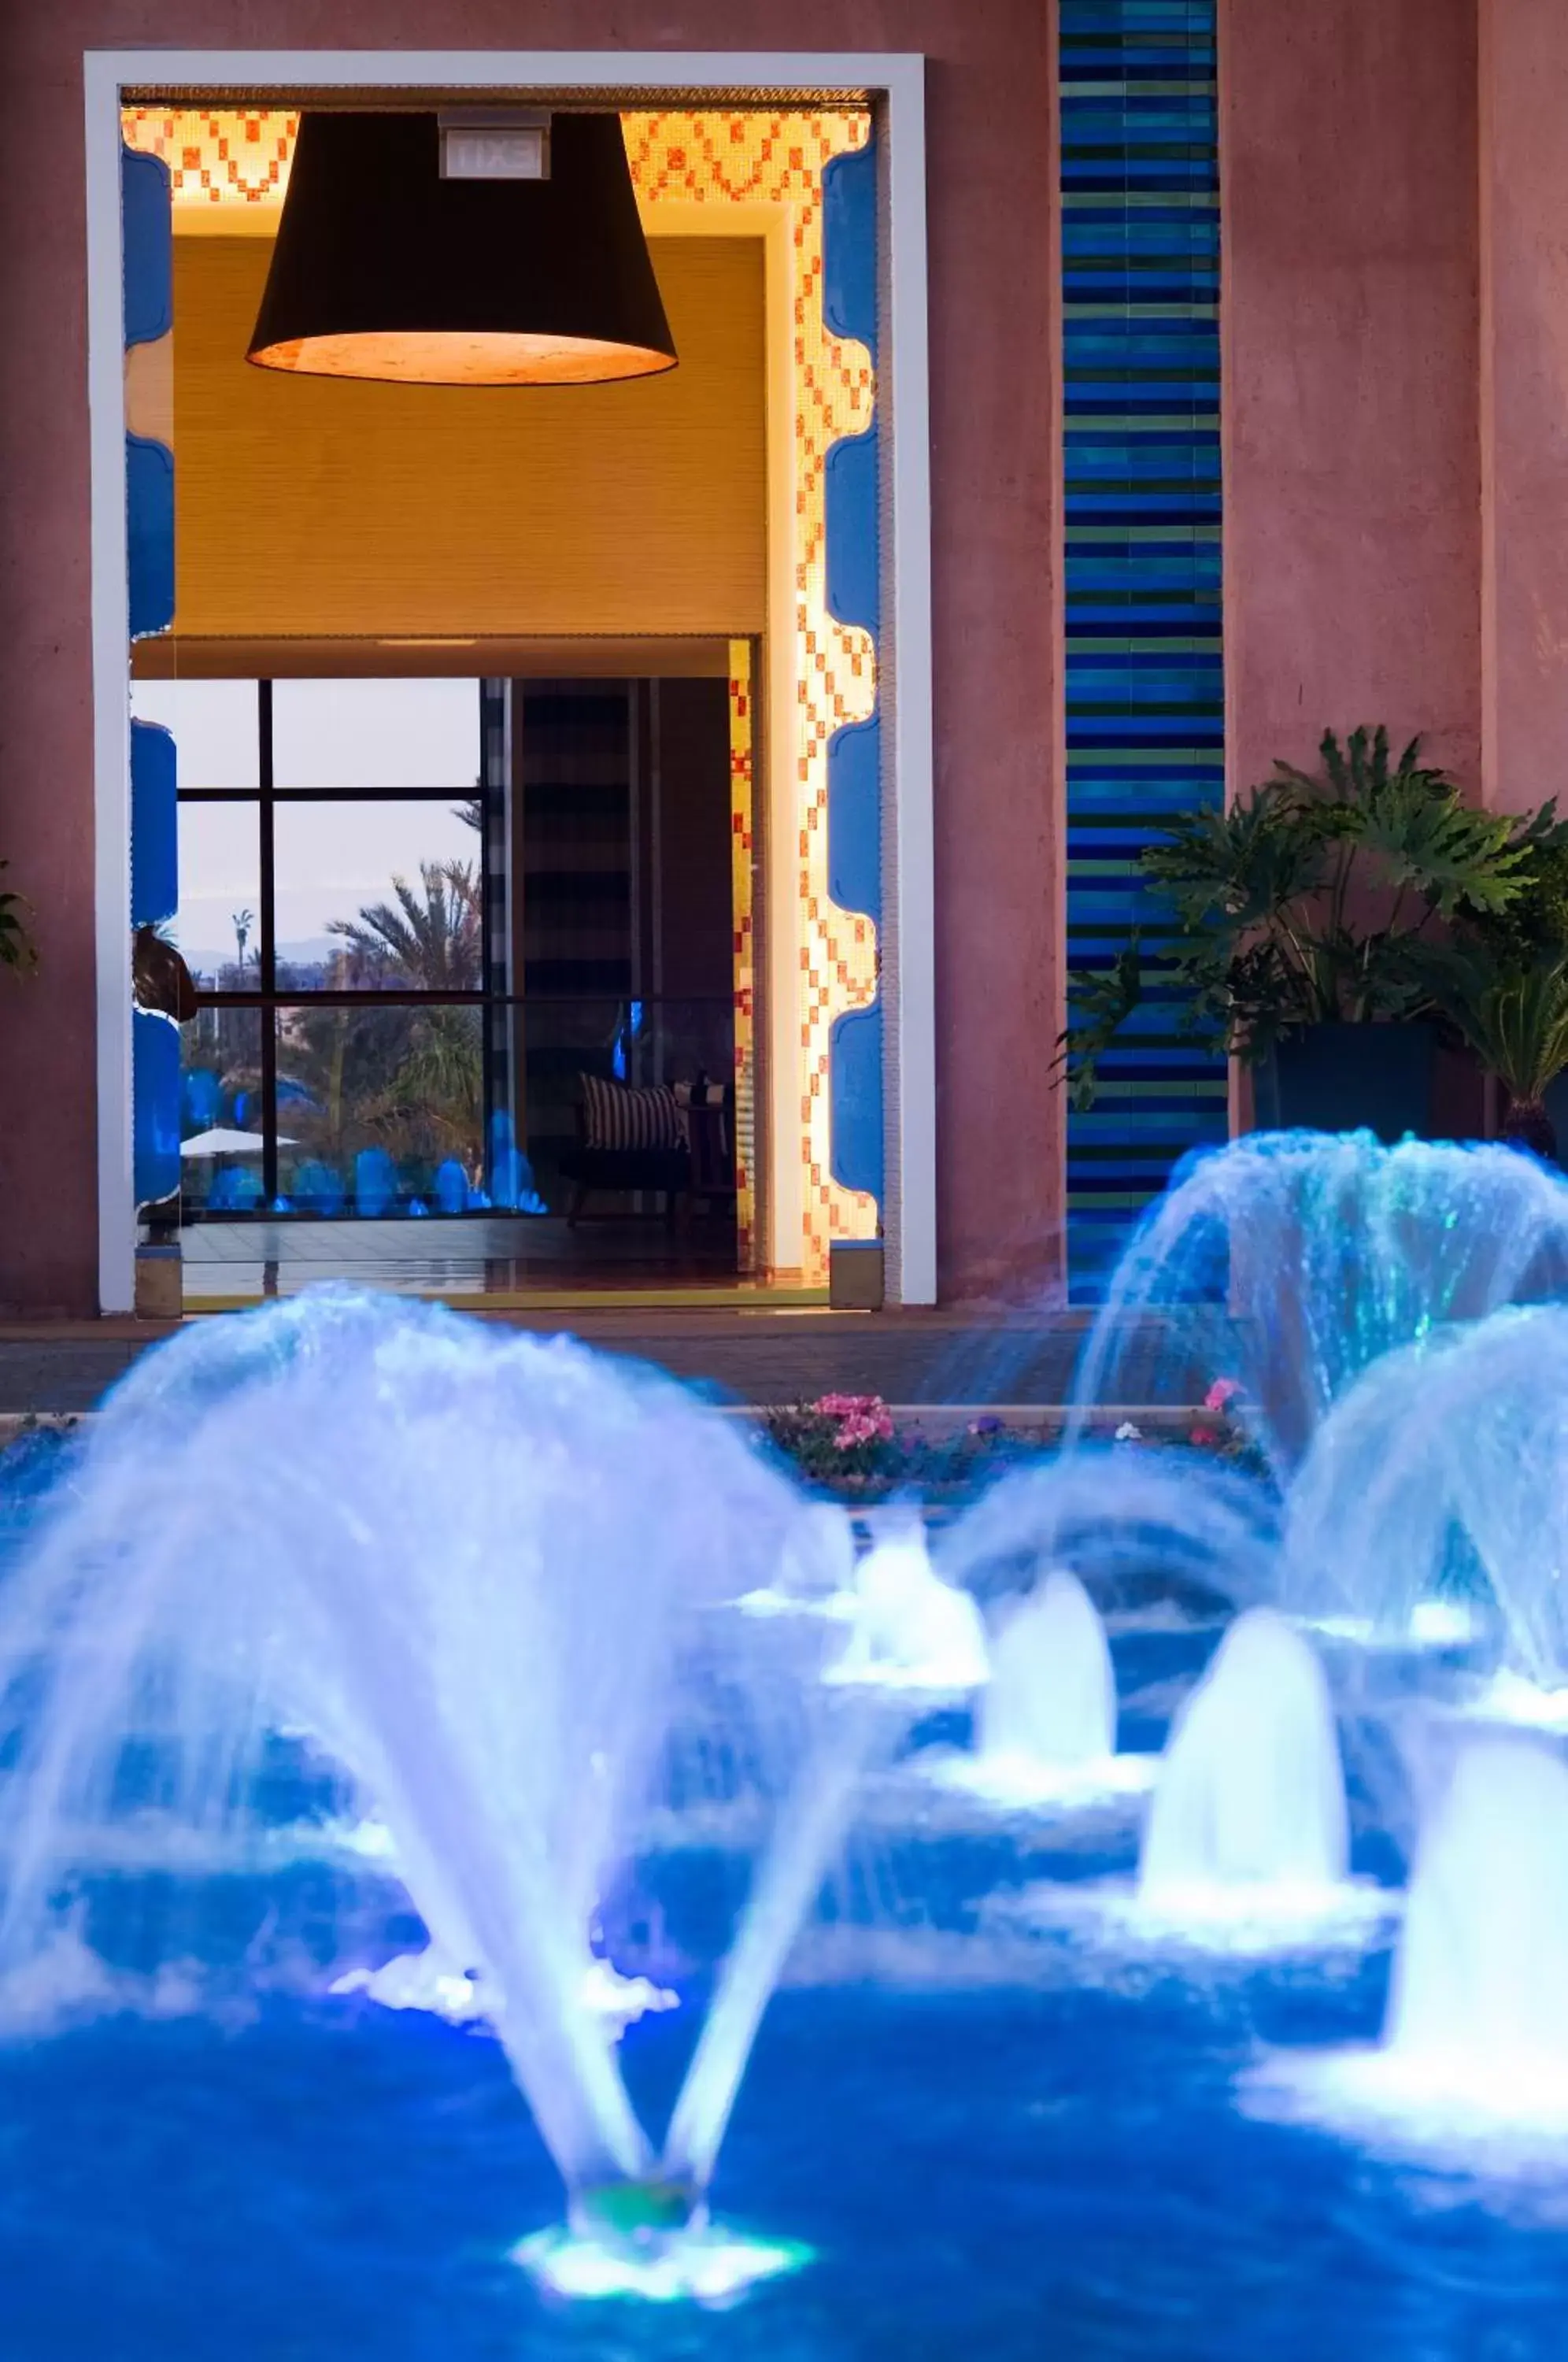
column 385, row 268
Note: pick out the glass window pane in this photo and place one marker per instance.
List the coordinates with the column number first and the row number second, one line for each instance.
column 376, row 734
column 215, row 724
column 218, row 924
column 382, row 896
column 220, row 1112
column 380, row 1110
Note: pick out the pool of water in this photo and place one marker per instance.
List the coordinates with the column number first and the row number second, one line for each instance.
column 999, row 2148
column 1000, row 2171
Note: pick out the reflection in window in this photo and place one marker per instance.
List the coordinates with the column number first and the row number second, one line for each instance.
column 221, row 1116
column 380, row 1109
column 376, row 734
column 218, row 924
column 377, row 895
column 214, row 728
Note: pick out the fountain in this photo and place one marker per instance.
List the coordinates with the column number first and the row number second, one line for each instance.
column 1052, row 1699
column 1475, row 2046
column 407, row 1680
column 1392, row 1534
column 908, row 1629
column 350, row 1556
column 1045, row 1723
column 1249, row 1831
column 1479, row 2009
column 1294, row 1261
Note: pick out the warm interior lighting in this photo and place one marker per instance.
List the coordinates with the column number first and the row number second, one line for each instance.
column 387, row 268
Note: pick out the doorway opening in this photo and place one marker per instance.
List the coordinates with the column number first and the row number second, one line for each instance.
column 472, row 954
column 808, row 1152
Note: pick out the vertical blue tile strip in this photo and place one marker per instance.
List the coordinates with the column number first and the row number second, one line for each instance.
column 155, row 1101
column 856, row 1100
column 852, row 562
column 149, row 535
column 148, row 222
column 854, row 817
column 147, row 226
column 1144, row 689
column 155, row 824
column 146, row 199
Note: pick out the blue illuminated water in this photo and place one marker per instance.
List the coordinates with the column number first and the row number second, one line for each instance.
column 316, row 2187
column 355, row 1627
column 1013, row 2152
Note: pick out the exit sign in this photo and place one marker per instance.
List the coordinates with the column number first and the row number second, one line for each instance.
column 496, row 145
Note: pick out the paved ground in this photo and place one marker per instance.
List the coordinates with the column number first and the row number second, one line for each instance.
column 757, row 1357
column 496, row 1254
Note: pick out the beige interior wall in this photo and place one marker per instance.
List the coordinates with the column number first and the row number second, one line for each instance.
column 321, row 507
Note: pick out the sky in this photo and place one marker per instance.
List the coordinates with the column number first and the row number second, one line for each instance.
column 331, row 858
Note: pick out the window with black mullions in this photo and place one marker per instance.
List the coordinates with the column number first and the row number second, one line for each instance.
column 333, row 913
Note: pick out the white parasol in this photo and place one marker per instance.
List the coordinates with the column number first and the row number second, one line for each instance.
column 222, row 1142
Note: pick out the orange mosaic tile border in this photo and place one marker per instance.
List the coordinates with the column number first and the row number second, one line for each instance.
column 221, row 157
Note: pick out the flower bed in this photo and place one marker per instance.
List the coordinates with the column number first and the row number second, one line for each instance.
column 851, row 1444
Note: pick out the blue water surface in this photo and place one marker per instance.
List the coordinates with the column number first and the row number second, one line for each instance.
column 1015, row 2175
column 1050, row 2169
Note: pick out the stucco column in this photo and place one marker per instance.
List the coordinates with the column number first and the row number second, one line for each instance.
column 1350, row 315
column 995, row 467
column 1524, row 413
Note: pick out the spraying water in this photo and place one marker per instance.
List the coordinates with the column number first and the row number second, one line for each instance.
column 1479, row 2008
column 909, row 1630
column 1293, row 1261
column 1250, row 1806
column 346, row 1556
column 1388, row 1521
column 1052, row 1695
column 1473, row 2055
column 1045, row 1724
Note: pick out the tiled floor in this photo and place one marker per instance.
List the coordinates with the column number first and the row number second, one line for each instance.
column 760, row 1356
column 472, row 1256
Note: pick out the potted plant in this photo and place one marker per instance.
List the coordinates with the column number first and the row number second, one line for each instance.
column 1516, row 1021
column 1302, row 920
column 1502, row 983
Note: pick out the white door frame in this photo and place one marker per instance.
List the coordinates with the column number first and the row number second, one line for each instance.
column 908, row 980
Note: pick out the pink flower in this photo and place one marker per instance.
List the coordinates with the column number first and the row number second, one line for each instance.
column 861, row 1418
column 1221, row 1394
column 1206, row 1435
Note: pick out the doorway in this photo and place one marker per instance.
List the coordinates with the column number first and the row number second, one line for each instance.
column 766, row 178
column 474, row 972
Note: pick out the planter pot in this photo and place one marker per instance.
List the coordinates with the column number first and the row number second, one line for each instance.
column 1374, row 1078
column 1556, row 1097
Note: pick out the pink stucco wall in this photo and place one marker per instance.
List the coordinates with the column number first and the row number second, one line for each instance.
column 1353, row 524
column 992, row 268
column 1524, row 196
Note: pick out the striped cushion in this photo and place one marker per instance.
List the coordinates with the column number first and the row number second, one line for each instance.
column 614, row 1117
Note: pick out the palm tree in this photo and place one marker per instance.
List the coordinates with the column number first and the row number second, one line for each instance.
column 410, row 1079
column 432, row 940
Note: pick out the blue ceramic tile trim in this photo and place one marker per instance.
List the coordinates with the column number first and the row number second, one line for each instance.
column 146, row 206
column 854, row 817
column 854, row 1087
column 850, row 495
column 849, row 246
column 155, row 822
column 155, row 1102
column 148, row 225
column 1144, row 671
column 852, row 563
column 149, row 535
